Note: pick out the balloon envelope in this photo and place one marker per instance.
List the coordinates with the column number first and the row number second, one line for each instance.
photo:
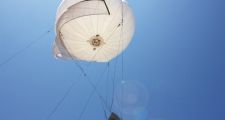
column 93, row 30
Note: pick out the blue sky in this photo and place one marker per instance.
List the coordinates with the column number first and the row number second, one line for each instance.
column 177, row 54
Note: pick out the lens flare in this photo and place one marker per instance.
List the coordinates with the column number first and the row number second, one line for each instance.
column 132, row 97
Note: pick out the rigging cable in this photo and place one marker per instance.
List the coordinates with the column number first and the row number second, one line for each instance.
column 113, row 91
column 122, row 111
column 83, row 73
column 91, row 94
column 39, row 38
column 62, row 99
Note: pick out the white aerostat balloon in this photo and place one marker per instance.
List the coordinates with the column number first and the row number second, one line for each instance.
column 93, row 30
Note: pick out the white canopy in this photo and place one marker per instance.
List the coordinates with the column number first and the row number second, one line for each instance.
column 93, row 30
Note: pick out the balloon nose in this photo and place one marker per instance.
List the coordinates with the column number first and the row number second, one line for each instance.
column 96, row 41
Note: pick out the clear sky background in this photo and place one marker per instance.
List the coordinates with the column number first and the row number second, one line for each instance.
column 177, row 54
